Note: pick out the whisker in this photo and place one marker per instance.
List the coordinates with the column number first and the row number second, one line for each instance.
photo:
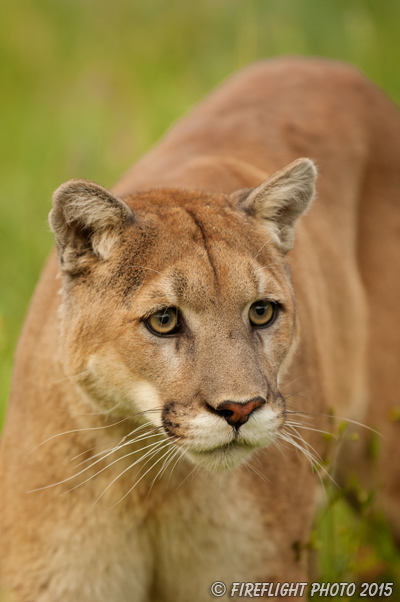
column 106, row 412
column 137, row 482
column 315, row 465
column 263, row 267
column 257, row 459
column 257, row 472
column 153, row 448
column 177, row 454
column 264, row 245
column 336, row 418
column 299, row 448
column 87, row 468
column 288, row 437
column 101, row 413
column 172, row 454
column 292, row 382
column 187, row 476
column 146, row 424
column 276, row 443
column 123, row 443
column 69, row 377
column 295, row 394
column 182, row 450
column 308, row 445
column 93, row 428
column 282, row 448
column 156, row 447
column 308, row 428
column 288, row 410
column 313, row 461
column 142, row 267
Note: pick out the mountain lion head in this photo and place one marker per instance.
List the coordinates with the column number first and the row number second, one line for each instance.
column 177, row 307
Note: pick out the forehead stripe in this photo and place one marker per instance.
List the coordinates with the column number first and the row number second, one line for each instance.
column 205, row 243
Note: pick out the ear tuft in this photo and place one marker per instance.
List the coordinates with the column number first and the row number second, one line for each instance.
column 86, row 220
column 282, row 198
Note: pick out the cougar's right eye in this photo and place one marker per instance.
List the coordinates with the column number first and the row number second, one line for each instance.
column 262, row 313
column 164, row 321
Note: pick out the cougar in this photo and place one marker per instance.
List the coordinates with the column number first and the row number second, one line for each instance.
column 196, row 332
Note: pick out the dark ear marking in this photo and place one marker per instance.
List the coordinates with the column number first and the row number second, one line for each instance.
column 86, row 220
column 281, row 199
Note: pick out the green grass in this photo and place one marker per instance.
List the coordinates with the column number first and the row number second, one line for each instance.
column 88, row 86
column 354, row 546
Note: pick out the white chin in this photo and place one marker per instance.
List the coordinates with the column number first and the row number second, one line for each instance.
column 220, row 458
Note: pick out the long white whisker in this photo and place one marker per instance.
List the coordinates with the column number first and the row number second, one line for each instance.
column 336, row 418
column 143, row 475
column 156, row 448
column 96, row 428
column 165, row 464
column 121, row 444
column 105, row 412
column 177, row 453
column 289, row 439
column 308, row 428
column 264, row 245
column 182, row 452
column 141, row 427
column 143, row 267
column 276, row 443
column 195, row 469
column 91, row 466
column 314, row 464
column 263, row 267
column 153, row 448
column 257, row 472
column 71, row 376
column 313, row 461
column 93, row 428
column 291, row 382
column 308, row 445
column 318, row 463
column 310, row 419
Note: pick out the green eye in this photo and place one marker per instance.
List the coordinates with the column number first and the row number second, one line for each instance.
column 262, row 313
column 163, row 321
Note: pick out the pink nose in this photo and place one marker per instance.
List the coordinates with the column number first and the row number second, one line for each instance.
column 236, row 413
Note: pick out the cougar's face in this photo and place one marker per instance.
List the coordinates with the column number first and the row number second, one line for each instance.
column 188, row 326
column 178, row 309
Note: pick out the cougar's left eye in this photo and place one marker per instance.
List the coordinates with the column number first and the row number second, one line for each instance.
column 263, row 313
column 163, row 321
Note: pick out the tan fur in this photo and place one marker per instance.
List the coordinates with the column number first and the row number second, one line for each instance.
column 198, row 225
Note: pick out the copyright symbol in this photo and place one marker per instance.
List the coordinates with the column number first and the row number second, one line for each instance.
column 218, row 589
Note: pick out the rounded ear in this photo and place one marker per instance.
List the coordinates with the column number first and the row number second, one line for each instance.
column 281, row 199
column 86, row 220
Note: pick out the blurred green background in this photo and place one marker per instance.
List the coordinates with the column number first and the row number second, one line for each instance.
column 88, row 86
